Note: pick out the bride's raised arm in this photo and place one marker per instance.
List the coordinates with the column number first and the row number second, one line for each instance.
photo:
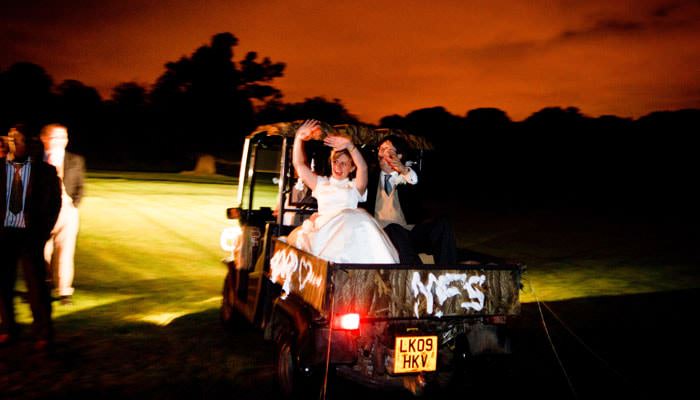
column 304, row 133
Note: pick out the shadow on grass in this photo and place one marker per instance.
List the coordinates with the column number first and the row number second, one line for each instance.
column 95, row 355
column 636, row 346
column 632, row 346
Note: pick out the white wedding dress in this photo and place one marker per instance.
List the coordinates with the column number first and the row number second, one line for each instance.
column 342, row 232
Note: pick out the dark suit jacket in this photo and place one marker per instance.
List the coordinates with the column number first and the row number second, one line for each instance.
column 409, row 197
column 74, row 176
column 43, row 201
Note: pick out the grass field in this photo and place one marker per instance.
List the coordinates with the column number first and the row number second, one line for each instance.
column 152, row 241
column 149, row 276
column 148, row 261
column 585, row 254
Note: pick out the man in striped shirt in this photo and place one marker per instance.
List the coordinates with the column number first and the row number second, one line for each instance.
column 30, row 199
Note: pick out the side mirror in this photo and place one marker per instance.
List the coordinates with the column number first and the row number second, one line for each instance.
column 233, row 213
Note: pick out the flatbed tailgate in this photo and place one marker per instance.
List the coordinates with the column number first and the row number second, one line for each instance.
column 431, row 291
column 397, row 290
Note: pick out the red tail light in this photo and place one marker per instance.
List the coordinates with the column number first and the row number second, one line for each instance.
column 348, row 322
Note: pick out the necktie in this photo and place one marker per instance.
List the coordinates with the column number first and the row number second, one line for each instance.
column 16, row 193
column 387, row 184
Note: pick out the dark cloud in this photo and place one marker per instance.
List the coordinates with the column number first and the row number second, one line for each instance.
column 21, row 45
column 78, row 13
column 675, row 8
column 664, row 10
column 35, row 30
column 497, row 51
column 660, row 17
column 14, row 35
column 603, row 28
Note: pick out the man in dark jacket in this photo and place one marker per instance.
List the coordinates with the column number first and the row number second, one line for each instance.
column 394, row 200
column 30, row 199
column 60, row 248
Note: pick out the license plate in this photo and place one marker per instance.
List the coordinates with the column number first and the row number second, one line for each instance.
column 415, row 354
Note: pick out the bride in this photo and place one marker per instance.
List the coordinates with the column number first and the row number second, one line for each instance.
column 339, row 232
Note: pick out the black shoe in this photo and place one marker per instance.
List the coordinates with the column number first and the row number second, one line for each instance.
column 66, row 300
column 23, row 296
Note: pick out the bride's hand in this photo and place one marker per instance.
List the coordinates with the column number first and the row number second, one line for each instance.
column 307, row 130
column 338, row 142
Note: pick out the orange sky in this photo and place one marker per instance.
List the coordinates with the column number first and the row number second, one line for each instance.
column 380, row 57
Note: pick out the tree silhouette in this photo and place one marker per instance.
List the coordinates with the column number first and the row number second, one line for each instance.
column 557, row 157
column 488, row 117
column 253, row 73
column 205, row 102
column 395, row 121
column 25, row 96
column 332, row 112
column 79, row 107
column 437, row 124
column 130, row 96
column 128, row 127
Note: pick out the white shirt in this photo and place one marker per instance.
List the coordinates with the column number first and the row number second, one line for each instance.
column 409, row 177
column 387, row 209
column 55, row 157
column 16, row 220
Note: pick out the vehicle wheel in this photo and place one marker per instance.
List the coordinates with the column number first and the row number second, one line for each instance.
column 227, row 313
column 453, row 366
column 285, row 366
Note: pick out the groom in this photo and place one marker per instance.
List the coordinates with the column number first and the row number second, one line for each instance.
column 393, row 199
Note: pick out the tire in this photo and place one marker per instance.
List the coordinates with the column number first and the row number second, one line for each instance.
column 292, row 382
column 453, row 368
column 227, row 313
column 285, row 366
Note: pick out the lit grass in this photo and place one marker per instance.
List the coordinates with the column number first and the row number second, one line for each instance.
column 575, row 256
column 154, row 237
column 149, row 250
column 148, row 282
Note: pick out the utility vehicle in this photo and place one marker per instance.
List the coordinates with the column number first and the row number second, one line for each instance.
column 382, row 325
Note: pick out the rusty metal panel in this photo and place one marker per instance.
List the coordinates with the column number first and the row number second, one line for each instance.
column 300, row 273
column 415, row 293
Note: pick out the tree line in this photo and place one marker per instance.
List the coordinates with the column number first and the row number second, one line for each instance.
column 208, row 101
column 202, row 103
column 559, row 157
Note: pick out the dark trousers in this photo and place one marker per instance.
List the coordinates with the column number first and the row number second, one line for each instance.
column 18, row 248
column 434, row 237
